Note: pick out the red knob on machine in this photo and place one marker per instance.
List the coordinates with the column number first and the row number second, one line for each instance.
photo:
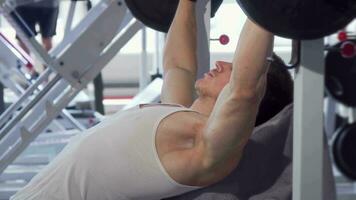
column 342, row 36
column 348, row 49
column 224, row 39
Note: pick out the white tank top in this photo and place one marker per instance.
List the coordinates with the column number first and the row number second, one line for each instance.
column 117, row 159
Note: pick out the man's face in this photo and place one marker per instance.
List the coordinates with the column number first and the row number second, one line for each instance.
column 215, row 80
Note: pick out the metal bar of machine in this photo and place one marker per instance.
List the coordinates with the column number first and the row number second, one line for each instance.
column 95, row 44
column 308, row 123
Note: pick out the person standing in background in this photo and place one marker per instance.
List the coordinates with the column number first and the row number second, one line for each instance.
column 29, row 14
column 43, row 13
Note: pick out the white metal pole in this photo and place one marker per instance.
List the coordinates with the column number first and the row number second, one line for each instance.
column 308, row 123
column 70, row 18
column 143, row 79
column 203, row 32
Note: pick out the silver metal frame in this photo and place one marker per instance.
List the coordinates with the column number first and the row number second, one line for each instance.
column 203, row 10
column 70, row 17
column 144, row 76
column 11, row 62
column 308, row 123
column 97, row 39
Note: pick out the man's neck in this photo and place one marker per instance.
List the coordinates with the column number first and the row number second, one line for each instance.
column 204, row 105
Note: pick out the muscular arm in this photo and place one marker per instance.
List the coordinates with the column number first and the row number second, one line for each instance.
column 232, row 120
column 179, row 62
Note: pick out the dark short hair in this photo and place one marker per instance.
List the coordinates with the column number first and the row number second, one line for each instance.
column 279, row 91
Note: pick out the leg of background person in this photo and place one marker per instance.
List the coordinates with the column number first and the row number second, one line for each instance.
column 47, row 43
column 33, row 72
column 47, row 20
column 48, row 24
column 23, row 46
column 27, row 22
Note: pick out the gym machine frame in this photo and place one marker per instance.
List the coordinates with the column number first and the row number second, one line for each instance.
column 308, row 135
column 96, row 39
column 11, row 59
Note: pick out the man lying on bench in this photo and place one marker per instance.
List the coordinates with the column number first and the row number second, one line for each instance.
column 162, row 150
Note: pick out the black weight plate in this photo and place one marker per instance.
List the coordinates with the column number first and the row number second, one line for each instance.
column 158, row 14
column 154, row 14
column 215, row 5
column 344, row 150
column 300, row 19
column 340, row 77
